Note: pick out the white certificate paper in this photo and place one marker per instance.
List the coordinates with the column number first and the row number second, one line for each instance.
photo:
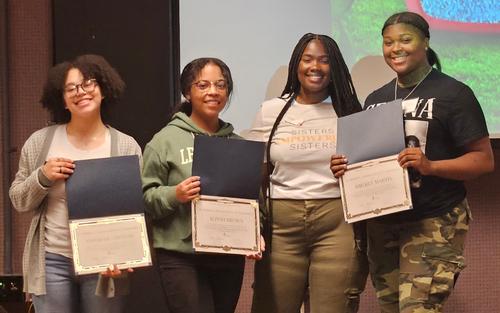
column 225, row 225
column 374, row 188
column 99, row 242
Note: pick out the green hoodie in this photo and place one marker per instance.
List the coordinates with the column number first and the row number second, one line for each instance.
column 168, row 159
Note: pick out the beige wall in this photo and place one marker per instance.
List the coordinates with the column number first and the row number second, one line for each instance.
column 30, row 54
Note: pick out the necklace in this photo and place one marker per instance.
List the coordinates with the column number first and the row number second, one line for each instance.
column 413, row 89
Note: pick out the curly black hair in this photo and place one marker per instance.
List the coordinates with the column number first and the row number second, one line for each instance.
column 91, row 66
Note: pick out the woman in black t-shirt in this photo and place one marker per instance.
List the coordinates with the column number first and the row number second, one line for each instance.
column 416, row 256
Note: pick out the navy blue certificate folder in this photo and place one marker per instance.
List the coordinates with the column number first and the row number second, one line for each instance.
column 228, row 167
column 371, row 134
column 105, row 187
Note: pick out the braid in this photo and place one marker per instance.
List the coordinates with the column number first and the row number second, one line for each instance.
column 341, row 90
column 269, row 170
column 344, row 98
column 292, row 84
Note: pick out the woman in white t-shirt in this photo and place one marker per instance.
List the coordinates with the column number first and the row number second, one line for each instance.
column 311, row 246
column 77, row 94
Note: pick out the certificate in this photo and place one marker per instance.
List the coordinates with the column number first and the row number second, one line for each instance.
column 99, row 242
column 374, row 188
column 225, row 225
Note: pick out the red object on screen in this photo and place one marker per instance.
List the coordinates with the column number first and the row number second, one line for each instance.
column 439, row 23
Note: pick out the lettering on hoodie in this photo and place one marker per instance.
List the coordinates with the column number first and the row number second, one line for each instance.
column 186, row 155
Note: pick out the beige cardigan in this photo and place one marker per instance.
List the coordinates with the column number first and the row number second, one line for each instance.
column 28, row 195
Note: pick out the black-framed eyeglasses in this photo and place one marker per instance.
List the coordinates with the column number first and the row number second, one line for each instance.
column 87, row 86
column 204, row 85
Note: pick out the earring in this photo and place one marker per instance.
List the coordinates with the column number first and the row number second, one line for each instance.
column 426, row 48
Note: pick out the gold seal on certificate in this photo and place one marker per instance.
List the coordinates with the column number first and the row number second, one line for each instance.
column 99, row 242
column 374, row 188
column 225, row 225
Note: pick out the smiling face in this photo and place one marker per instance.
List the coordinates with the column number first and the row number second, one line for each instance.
column 82, row 97
column 404, row 48
column 208, row 95
column 313, row 73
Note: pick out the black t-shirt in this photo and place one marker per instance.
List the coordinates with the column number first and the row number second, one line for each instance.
column 444, row 115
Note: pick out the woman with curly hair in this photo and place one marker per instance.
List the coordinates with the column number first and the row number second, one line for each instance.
column 77, row 94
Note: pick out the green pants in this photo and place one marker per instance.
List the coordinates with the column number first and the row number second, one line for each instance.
column 312, row 247
column 414, row 265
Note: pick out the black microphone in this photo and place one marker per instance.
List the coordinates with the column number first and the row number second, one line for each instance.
column 415, row 176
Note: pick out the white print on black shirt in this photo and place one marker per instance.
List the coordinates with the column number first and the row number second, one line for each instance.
column 414, row 108
column 418, row 108
column 417, row 114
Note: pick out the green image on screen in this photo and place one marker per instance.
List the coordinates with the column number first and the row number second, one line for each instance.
column 472, row 57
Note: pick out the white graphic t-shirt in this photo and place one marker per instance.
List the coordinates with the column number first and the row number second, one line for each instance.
column 301, row 148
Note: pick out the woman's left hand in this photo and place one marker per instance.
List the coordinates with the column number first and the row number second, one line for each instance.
column 415, row 158
column 338, row 165
column 113, row 271
column 258, row 256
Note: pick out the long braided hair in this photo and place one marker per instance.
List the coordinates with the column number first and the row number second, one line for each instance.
column 341, row 91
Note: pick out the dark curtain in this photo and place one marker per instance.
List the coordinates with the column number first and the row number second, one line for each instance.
column 141, row 40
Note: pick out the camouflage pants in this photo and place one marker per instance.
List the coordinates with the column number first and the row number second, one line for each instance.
column 414, row 265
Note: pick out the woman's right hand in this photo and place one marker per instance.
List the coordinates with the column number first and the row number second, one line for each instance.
column 258, row 256
column 58, row 168
column 113, row 271
column 188, row 189
column 338, row 165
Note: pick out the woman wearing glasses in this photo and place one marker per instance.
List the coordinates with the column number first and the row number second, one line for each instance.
column 192, row 283
column 78, row 95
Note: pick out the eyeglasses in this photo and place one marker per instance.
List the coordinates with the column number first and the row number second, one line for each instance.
column 204, row 85
column 87, row 86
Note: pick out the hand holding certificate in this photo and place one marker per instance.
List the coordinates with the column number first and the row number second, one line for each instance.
column 99, row 242
column 374, row 183
column 374, row 188
column 227, row 224
column 225, row 219
column 106, row 214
